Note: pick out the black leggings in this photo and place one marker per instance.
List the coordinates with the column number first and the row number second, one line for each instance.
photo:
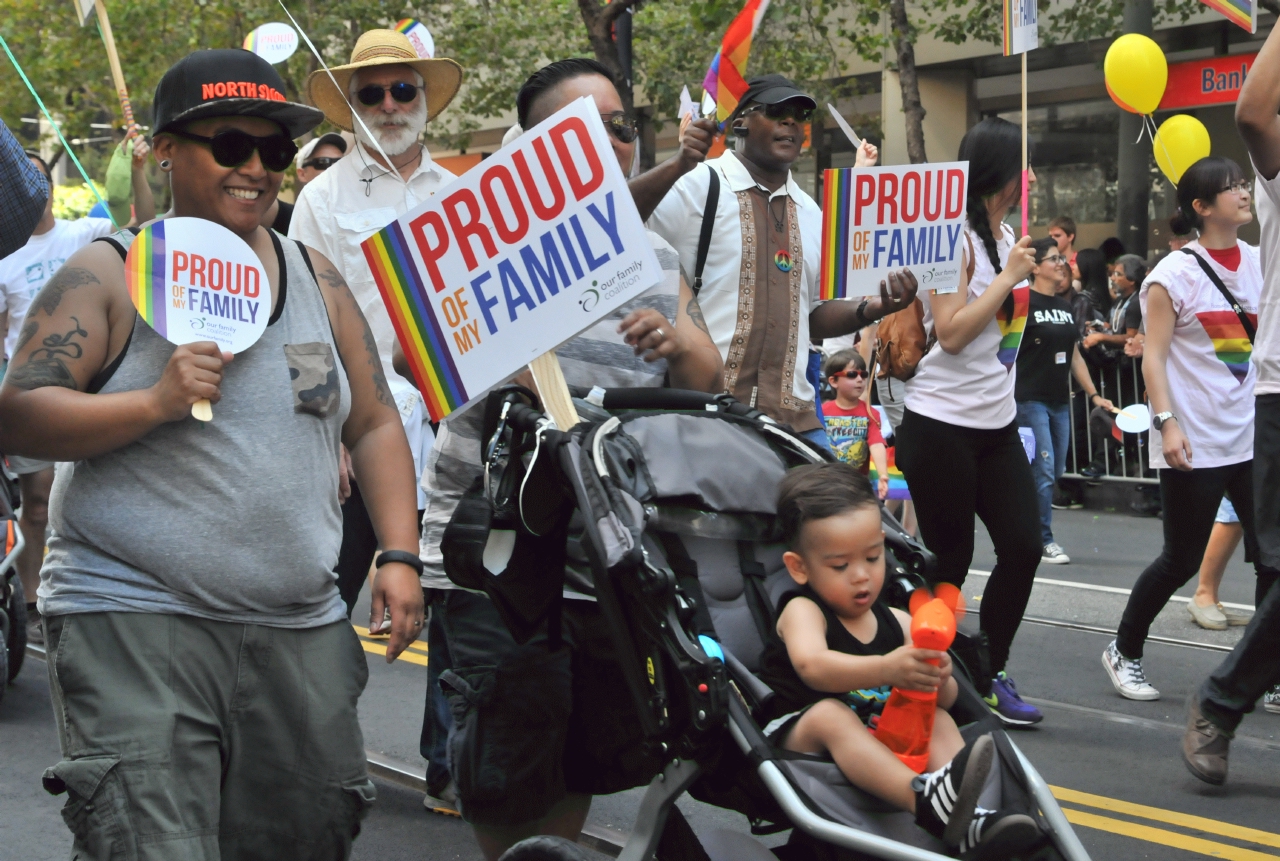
column 954, row 473
column 1190, row 504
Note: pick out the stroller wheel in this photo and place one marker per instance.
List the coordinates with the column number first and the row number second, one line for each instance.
column 15, row 639
column 546, row 848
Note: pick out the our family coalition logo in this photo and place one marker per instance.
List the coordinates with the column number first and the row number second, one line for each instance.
column 197, row 323
column 621, row 280
column 942, row 274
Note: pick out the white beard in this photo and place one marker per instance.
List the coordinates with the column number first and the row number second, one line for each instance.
column 395, row 133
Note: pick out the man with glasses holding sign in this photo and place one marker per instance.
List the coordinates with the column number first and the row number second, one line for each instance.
column 758, row 281
column 394, row 93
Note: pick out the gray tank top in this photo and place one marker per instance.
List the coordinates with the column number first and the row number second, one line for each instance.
column 236, row 519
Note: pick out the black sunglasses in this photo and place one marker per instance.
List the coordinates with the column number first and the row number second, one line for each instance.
column 233, row 148
column 320, row 162
column 621, row 126
column 373, row 94
column 782, row 110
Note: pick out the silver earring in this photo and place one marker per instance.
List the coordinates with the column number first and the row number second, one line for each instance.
column 165, row 164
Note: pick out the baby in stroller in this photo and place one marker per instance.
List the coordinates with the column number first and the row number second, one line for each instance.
column 838, row 653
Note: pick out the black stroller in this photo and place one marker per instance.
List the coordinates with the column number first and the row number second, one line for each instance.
column 668, row 498
column 13, row 603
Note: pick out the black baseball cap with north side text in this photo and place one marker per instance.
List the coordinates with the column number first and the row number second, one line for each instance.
column 228, row 82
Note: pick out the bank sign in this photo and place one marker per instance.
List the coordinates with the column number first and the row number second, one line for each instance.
column 1211, row 81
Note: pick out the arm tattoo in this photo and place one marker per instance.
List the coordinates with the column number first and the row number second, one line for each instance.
column 65, row 279
column 45, row 366
column 382, row 389
column 694, row 310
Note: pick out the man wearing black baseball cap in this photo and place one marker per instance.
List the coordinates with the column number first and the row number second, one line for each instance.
column 758, row 285
column 205, row 674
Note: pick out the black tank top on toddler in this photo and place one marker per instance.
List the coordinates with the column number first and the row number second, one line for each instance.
column 792, row 694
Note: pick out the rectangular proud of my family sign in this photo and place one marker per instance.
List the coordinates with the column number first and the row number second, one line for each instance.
column 512, row 259
column 885, row 219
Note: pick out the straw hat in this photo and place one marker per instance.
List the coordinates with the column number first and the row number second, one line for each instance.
column 441, row 77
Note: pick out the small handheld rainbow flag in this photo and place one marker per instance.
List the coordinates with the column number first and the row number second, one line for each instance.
column 144, row 277
column 726, row 78
column 1242, row 13
column 415, row 321
column 1230, row 341
column 897, row 481
column 1012, row 326
column 837, row 189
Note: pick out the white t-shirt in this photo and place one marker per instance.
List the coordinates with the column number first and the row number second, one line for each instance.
column 1266, row 345
column 1211, row 380
column 24, row 272
column 974, row 388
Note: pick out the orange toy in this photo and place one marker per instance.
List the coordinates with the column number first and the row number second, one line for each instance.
column 906, row 724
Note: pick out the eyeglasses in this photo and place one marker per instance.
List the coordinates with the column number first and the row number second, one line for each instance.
column 320, row 162
column 373, row 94
column 1237, row 187
column 800, row 113
column 856, row 374
column 1057, row 260
column 621, row 126
column 232, row 148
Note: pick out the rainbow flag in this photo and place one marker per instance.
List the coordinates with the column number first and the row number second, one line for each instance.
column 1230, row 341
column 726, row 78
column 415, row 321
column 1012, row 326
column 1243, row 13
column 897, row 481
column 144, row 277
column 837, row 189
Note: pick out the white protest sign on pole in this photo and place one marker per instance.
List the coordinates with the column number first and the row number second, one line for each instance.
column 1022, row 34
column 513, row 258
column 878, row 220
column 274, row 42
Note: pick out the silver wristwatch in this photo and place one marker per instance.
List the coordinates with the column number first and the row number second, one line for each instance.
column 1159, row 419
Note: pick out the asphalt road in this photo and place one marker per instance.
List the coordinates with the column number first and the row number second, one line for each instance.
column 1114, row 763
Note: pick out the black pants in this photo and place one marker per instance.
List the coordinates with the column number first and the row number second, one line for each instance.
column 1190, row 501
column 955, row 473
column 358, row 546
column 1235, row 686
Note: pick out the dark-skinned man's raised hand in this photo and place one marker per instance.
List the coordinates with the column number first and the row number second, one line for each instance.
column 840, row 317
column 696, row 138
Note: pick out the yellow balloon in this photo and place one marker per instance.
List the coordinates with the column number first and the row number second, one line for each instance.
column 1180, row 142
column 1136, row 73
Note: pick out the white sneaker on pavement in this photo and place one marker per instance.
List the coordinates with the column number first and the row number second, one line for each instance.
column 1271, row 700
column 1208, row 617
column 1127, row 676
column 1054, row 555
column 445, row 803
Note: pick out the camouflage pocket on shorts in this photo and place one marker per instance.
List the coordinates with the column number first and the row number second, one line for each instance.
column 314, row 375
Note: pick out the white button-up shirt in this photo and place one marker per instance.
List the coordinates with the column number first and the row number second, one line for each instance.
column 340, row 209
column 678, row 219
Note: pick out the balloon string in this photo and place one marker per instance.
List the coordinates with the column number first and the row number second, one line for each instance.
column 66, row 147
column 1155, row 138
column 354, row 115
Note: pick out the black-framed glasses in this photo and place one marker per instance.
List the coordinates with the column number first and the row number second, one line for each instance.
column 1237, row 187
column 855, row 374
column 798, row 111
column 320, row 162
column 232, row 148
column 621, row 126
column 373, row 94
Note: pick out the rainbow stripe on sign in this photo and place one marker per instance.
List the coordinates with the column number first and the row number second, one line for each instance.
column 1012, row 327
column 406, row 24
column 1243, row 13
column 415, row 321
column 144, row 277
column 1230, row 341
column 837, row 191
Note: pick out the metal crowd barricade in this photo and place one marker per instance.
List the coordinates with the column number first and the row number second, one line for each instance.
column 1125, row 460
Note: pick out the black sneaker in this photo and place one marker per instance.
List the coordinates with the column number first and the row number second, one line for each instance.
column 996, row 835
column 1093, row 470
column 947, row 798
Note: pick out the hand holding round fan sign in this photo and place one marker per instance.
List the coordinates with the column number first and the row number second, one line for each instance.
column 193, row 280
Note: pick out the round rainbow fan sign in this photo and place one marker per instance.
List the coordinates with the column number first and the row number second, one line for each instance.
column 274, row 42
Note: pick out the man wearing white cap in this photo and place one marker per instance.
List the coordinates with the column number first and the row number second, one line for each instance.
column 383, row 175
column 318, row 155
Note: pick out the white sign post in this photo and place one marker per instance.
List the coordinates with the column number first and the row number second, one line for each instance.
column 518, row 255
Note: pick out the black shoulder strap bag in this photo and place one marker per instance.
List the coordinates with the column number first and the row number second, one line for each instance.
column 1226, row 294
column 708, row 223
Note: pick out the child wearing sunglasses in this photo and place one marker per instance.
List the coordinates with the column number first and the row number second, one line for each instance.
column 852, row 427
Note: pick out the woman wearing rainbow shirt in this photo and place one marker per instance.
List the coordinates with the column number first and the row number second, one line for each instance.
column 958, row 444
column 1201, row 311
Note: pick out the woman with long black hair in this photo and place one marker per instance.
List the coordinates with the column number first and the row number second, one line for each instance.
column 958, row 445
column 1200, row 381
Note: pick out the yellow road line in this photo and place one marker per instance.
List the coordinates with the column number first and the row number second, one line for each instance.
column 1185, row 820
column 1164, row 838
column 379, row 649
column 416, row 645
